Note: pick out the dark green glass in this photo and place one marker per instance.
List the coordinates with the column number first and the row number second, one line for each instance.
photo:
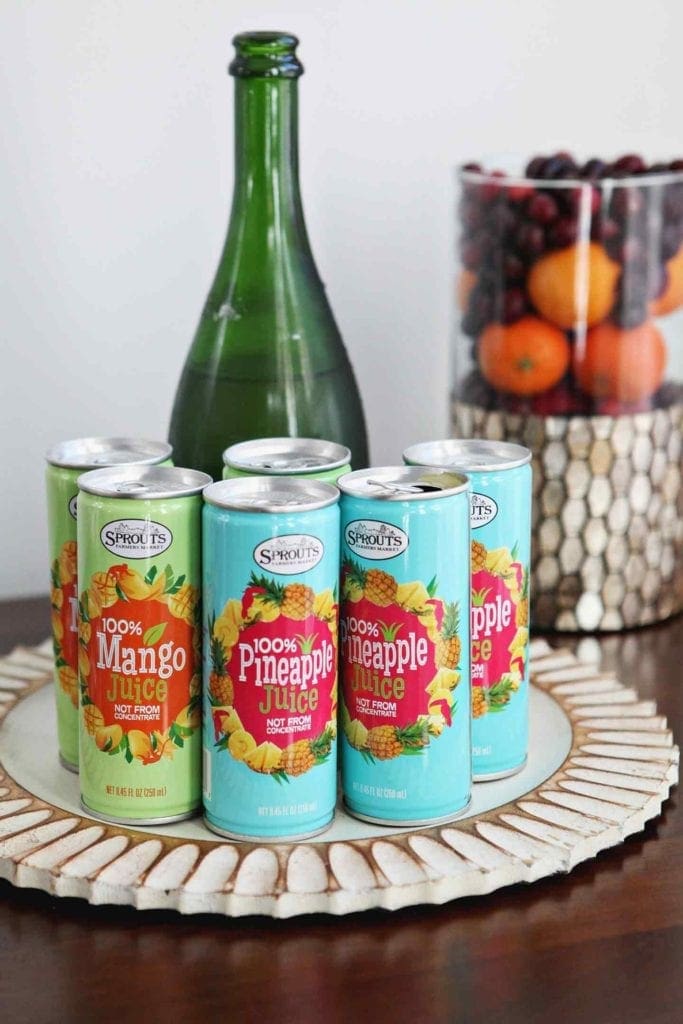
column 267, row 359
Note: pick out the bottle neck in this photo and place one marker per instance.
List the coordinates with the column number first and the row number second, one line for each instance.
column 266, row 149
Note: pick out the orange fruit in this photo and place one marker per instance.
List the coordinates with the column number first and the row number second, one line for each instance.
column 624, row 364
column 672, row 296
column 463, row 287
column 574, row 285
column 525, row 358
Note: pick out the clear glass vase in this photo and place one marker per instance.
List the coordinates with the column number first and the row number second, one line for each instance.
column 569, row 302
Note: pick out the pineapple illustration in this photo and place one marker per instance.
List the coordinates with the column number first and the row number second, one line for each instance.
column 478, row 556
column 387, row 741
column 221, row 689
column 300, row 757
column 522, row 614
column 379, row 587
column 295, row 600
column 479, row 702
column 449, row 646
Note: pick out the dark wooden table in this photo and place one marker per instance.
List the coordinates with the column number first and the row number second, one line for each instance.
column 601, row 945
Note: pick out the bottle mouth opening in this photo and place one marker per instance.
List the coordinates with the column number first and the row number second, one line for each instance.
column 265, row 55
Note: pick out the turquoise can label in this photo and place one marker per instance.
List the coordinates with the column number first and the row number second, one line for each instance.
column 501, row 528
column 270, row 670
column 405, row 658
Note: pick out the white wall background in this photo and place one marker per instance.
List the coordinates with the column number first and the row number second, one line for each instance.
column 116, row 176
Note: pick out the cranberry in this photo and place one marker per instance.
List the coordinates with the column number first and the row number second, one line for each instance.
column 560, row 400
column 559, row 166
column 563, row 233
column 518, row 193
column 475, row 168
column 630, row 163
column 626, row 202
column 542, row 208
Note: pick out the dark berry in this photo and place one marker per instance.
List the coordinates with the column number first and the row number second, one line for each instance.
column 534, row 167
column 475, row 168
column 542, row 208
column 676, row 165
column 518, row 193
column 670, row 241
column 471, row 255
column 593, row 169
column 563, row 233
column 658, row 168
column 513, row 267
column 514, row 305
column 559, row 166
column 530, row 240
column 609, row 229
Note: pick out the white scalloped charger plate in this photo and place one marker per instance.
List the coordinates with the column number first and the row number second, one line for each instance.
column 602, row 762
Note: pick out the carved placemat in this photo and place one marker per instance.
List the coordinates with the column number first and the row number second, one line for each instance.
column 619, row 769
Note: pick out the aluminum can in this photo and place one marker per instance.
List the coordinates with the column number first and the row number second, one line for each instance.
column 307, row 457
column 271, row 571
column 139, row 574
column 405, row 652
column 500, row 519
column 65, row 463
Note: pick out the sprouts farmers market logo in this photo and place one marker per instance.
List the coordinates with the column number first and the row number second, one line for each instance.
column 136, row 538
column 375, row 540
column 290, row 554
column 483, row 510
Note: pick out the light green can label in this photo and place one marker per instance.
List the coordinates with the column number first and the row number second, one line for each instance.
column 139, row 648
column 62, row 492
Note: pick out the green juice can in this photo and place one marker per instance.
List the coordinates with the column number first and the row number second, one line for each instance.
column 307, row 457
column 65, row 463
column 139, row 575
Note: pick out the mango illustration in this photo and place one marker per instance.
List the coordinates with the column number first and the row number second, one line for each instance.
column 69, row 683
column 67, row 562
column 57, row 627
column 189, row 719
column 84, row 631
column 139, row 743
column 83, row 662
column 195, row 684
column 93, row 718
column 132, row 584
column 184, row 603
column 263, row 758
column 108, row 737
column 102, row 593
column 56, row 598
column 165, row 747
column 240, row 744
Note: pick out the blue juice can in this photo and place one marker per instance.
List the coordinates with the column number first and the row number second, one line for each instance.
column 500, row 520
column 271, row 600
column 405, row 652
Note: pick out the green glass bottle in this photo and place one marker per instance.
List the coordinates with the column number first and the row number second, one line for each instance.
column 267, row 359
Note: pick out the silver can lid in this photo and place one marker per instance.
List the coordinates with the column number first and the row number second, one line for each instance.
column 468, row 455
column 286, row 456
column 91, row 452
column 403, row 483
column 271, row 494
column 144, row 483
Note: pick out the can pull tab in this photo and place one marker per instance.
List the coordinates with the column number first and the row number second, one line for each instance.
column 399, row 488
column 133, row 485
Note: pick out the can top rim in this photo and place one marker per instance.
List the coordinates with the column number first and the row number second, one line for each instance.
column 143, row 483
column 94, row 452
column 403, row 483
column 286, row 456
column 275, row 494
column 468, row 454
